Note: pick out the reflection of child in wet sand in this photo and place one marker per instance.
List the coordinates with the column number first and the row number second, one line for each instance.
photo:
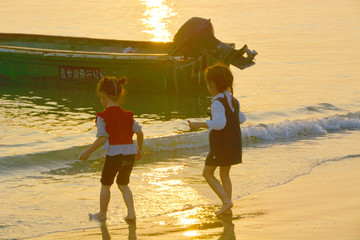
column 225, row 133
column 115, row 127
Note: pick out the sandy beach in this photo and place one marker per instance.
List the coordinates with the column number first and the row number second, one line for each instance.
column 324, row 204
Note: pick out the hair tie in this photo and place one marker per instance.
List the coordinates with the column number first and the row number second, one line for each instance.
column 115, row 87
column 122, row 80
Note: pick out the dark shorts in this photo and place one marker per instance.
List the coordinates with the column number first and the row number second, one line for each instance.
column 120, row 165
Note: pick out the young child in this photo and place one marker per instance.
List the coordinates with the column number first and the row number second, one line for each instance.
column 225, row 133
column 115, row 129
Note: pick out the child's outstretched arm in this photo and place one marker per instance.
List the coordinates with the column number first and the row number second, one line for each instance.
column 140, row 140
column 197, row 125
column 87, row 152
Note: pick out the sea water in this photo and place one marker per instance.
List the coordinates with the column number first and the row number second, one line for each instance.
column 301, row 100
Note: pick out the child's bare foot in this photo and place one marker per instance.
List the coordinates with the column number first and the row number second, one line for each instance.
column 224, row 209
column 97, row 216
column 228, row 212
column 130, row 218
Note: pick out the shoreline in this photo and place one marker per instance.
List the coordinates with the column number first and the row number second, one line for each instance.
column 324, row 204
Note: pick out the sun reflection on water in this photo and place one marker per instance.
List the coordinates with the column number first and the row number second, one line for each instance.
column 156, row 19
column 168, row 192
column 191, row 233
column 188, row 217
column 158, row 177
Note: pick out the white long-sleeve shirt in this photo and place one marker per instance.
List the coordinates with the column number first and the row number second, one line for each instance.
column 218, row 120
column 113, row 150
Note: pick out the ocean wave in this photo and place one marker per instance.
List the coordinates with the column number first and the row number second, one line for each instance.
column 323, row 107
column 39, row 161
column 297, row 128
column 285, row 130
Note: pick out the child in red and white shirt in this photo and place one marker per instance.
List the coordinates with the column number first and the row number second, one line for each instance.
column 115, row 129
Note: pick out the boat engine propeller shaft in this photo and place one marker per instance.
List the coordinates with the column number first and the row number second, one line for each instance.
column 196, row 36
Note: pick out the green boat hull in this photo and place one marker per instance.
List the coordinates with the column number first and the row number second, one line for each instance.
column 68, row 62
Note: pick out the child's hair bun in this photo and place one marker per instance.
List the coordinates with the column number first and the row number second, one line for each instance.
column 111, row 86
column 122, row 80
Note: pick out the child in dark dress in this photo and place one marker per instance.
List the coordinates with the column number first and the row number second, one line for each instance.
column 225, row 133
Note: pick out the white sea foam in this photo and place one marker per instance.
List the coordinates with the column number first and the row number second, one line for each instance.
column 297, row 128
column 262, row 132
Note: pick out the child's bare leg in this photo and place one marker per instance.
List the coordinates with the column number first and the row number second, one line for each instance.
column 226, row 183
column 208, row 174
column 129, row 202
column 104, row 202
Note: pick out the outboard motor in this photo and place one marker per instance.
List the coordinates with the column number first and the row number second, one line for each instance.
column 196, row 37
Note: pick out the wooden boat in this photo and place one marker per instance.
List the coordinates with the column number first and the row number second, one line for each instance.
column 60, row 61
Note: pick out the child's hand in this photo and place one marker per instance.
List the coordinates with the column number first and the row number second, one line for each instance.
column 84, row 155
column 193, row 125
column 197, row 125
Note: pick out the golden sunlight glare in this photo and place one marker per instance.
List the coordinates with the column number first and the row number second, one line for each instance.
column 156, row 19
column 191, row 233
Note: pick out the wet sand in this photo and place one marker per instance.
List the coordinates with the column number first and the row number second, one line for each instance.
column 324, row 204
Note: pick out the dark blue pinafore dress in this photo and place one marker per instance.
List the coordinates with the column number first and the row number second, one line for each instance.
column 226, row 144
